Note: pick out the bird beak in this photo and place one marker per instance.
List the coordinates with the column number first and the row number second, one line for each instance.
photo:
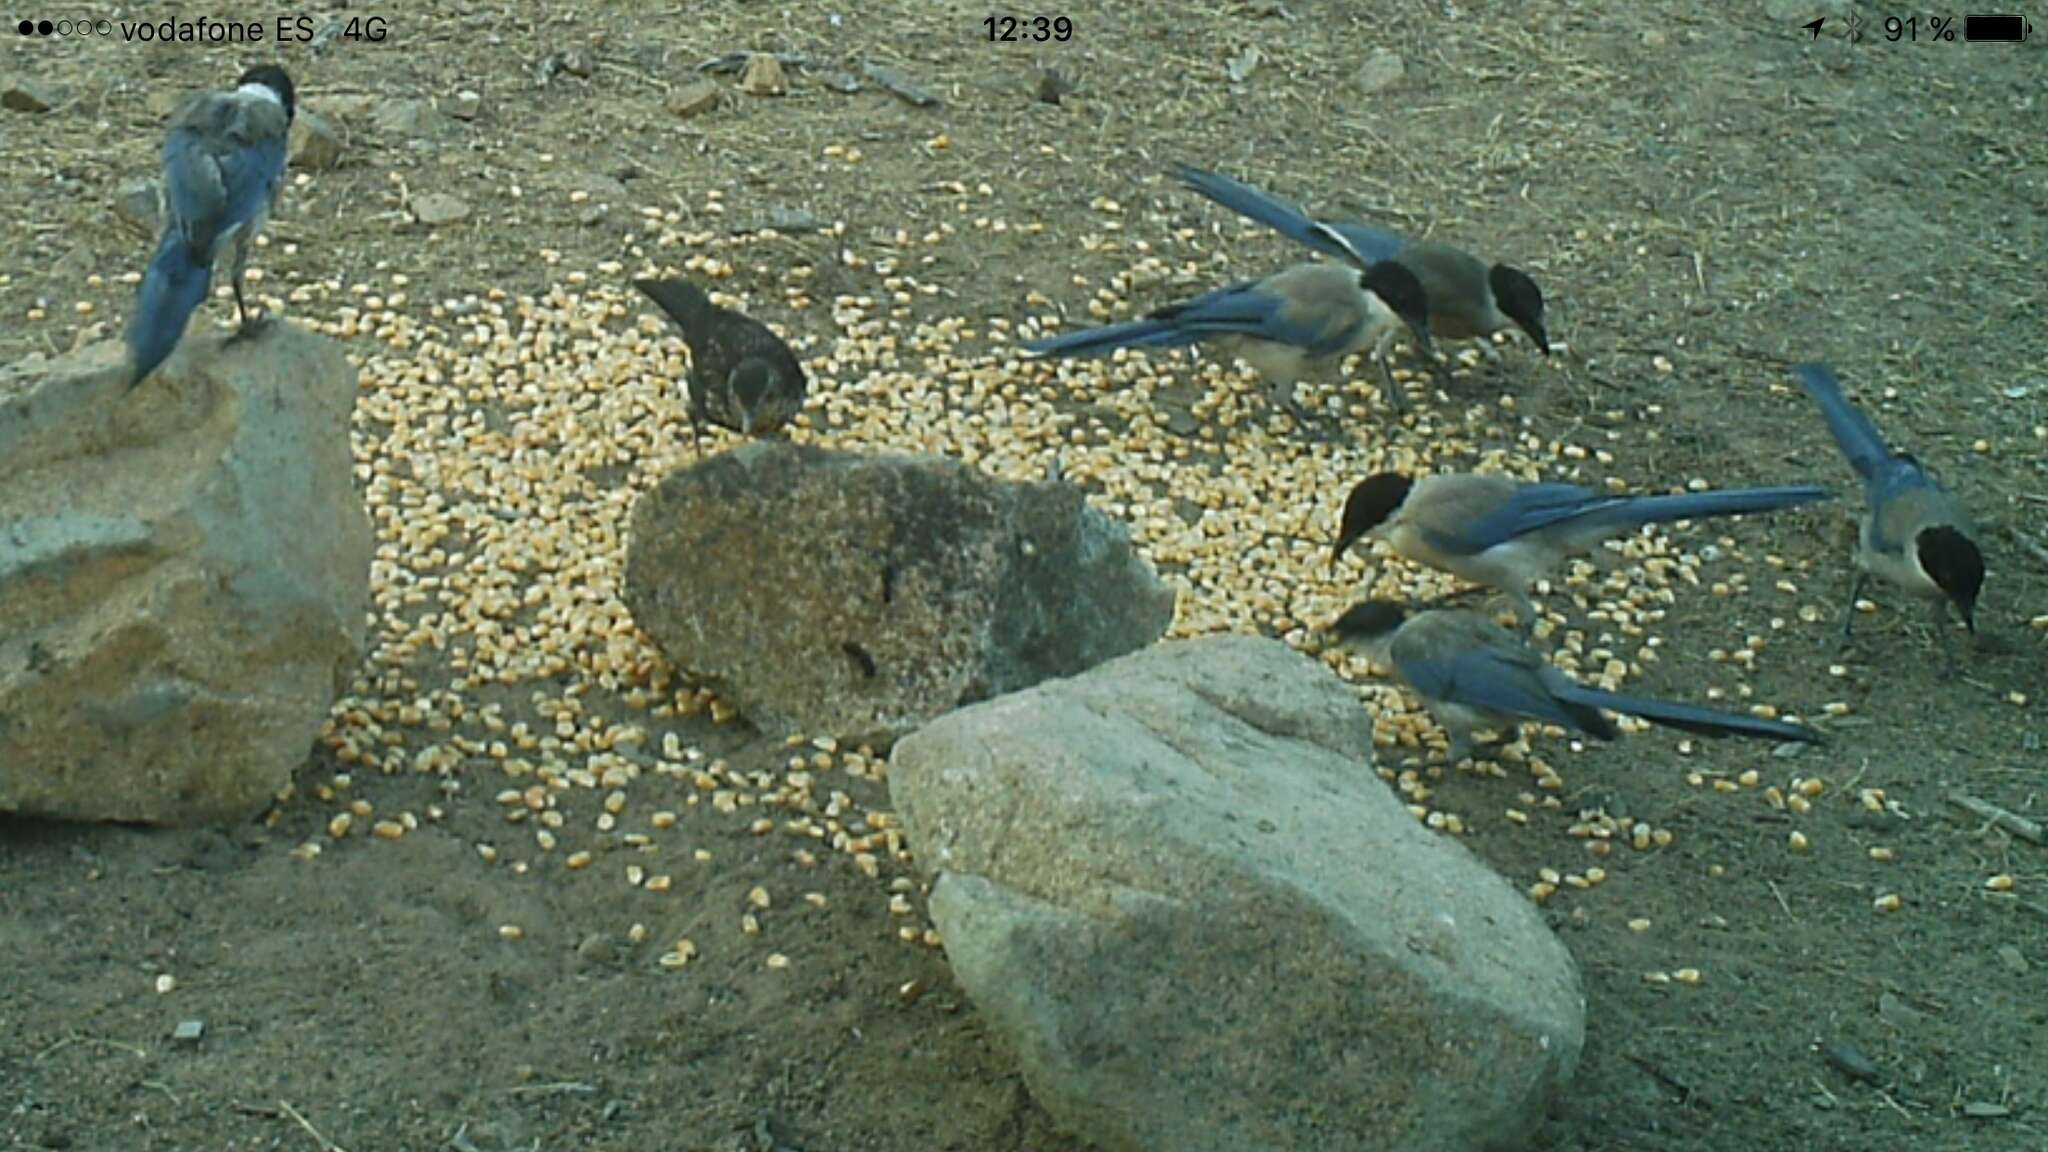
column 1541, row 338
column 1970, row 619
column 1423, row 342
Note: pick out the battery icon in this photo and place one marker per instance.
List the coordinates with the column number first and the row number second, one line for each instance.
column 1996, row 29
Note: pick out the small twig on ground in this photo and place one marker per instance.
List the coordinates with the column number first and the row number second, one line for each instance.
column 2030, row 545
column 255, row 1110
column 1849, row 787
column 1996, row 817
column 319, row 1137
column 164, row 1088
column 68, row 1041
column 644, row 78
column 1781, row 901
column 557, row 1088
column 1684, row 1090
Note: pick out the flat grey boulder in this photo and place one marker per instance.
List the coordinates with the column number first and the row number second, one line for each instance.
column 184, row 573
column 859, row 596
column 1183, row 900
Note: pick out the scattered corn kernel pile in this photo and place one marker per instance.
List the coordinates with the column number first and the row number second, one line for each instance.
column 503, row 441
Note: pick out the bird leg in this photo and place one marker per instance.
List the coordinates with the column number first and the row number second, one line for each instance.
column 694, row 413
column 1849, row 613
column 1439, row 366
column 1382, row 355
column 1461, row 747
column 1319, row 428
column 1943, row 629
column 1464, row 748
column 251, row 324
column 1525, row 612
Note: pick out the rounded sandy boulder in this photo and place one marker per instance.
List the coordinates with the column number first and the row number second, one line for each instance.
column 1184, row 901
column 184, row 576
column 859, row 596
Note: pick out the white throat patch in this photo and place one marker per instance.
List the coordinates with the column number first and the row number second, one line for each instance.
column 263, row 90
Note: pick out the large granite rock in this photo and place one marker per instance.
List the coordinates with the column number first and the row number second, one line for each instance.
column 1179, row 894
column 184, row 573
column 859, row 596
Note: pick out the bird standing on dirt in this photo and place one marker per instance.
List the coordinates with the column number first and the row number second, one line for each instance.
column 1474, row 675
column 742, row 376
column 1284, row 326
column 1467, row 298
column 1505, row 534
column 1914, row 534
column 223, row 165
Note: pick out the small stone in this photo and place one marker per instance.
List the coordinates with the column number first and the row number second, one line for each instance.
column 841, row 82
column 1850, row 1061
column 1241, row 66
column 692, row 99
column 1381, row 71
column 900, row 86
column 597, row 948
column 139, row 205
column 1654, row 38
column 763, row 76
column 90, row 334
column 315, row 145
column 1985, row 1110
column 403, row 117
column 26, row 96
column 436, row 208
column 189, row 1031
column 1898, row 1013
column 579, row 63
column 785, row 219
column 466, row 105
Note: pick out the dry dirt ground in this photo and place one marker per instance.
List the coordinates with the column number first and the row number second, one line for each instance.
column 1705, row 191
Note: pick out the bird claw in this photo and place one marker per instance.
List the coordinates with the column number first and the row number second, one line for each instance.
column 253, row 324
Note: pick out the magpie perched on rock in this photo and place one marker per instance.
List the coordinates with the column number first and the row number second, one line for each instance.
column 223, row 163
